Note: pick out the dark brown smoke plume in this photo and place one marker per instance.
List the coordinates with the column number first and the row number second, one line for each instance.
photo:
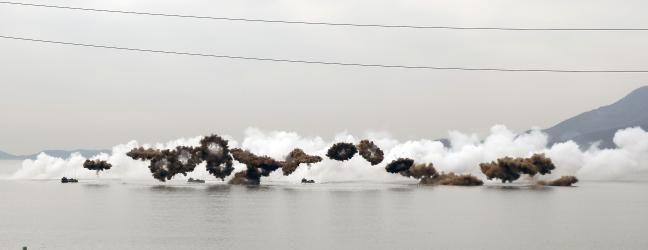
column 428, row 175
column 452, row 179
column 159, row 165
column 184, row 158
column 215, row 151
column 96, row 165
column 162, row 166
column 250, row 176
column 266, row 164
column 420, row 171
column 143, row 154
column 341, row 151
column 221, row 170
column 505, row 169
column 509, row 169
column 370, row 152
column 171, row 163
column 257, row 166
column 188, row 155
column 164, row 163
column 295, row 158
column 564, row 181
column 298, row 155
column 543, row 164
column 401, row 164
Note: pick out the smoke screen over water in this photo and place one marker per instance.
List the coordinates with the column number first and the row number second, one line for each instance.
column 288, row 157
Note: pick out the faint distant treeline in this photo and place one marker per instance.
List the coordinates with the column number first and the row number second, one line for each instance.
column 215, row 152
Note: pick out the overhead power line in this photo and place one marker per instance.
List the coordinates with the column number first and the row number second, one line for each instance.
column 323, row 62
column 321, row 23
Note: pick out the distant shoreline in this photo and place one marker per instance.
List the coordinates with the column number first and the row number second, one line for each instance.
column 54, row 153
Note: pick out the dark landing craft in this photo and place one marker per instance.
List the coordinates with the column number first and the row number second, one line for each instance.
column 304, row 180
column 192, row 180
column 68, row 180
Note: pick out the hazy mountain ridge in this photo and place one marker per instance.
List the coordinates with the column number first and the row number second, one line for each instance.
column 7, row 156
column 599, row 125
column 56, row 153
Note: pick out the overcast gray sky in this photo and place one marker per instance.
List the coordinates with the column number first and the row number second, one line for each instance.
column 62, row 97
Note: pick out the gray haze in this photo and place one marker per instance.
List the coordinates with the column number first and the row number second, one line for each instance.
column 55, row 96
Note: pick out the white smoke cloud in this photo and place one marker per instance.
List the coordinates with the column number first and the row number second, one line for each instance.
column 464, row 156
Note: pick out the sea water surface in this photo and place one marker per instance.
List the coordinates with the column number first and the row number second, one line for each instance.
column 116, row 214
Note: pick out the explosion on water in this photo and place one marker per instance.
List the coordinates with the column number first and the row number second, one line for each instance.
column 165, row 164
column 509, row 169
column 428, row 175
column 341, row 151
column 370, row 152
column 399, row 165
column 168, row 164
column 96, row 165
column 214, row 150
column 502, row 156
column 297, row 157
column 144, row 154
column 257, row 166
column 563, row 181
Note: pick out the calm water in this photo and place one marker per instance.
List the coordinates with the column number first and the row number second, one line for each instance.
column 116, row 215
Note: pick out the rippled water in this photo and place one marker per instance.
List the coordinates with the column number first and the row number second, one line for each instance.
column 111, row 214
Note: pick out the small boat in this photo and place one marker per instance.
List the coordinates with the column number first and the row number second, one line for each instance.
column 304, row 180
column 68, row 180
column 192, row 180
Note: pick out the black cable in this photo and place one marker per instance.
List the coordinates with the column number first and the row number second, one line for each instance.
column 323, row 23
column 322, row 62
